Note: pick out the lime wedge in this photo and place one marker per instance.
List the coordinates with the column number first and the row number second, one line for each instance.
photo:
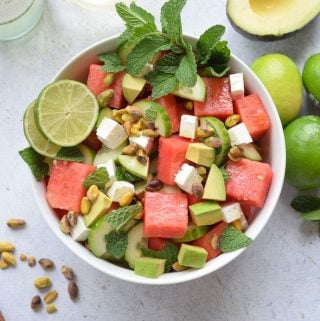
column 66, row 112
column 35, row 138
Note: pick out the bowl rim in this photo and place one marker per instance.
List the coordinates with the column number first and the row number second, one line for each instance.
column 190, row 274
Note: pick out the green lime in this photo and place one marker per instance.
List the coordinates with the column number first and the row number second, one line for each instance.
column 311, row 77
column 35, row 138
column 66, row 112
column 282, row 78
column 302, row 138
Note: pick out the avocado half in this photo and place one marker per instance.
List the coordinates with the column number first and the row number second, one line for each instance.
column 271, row 19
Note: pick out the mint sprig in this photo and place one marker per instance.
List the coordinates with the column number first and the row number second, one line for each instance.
column 233, row 239
column 72, row 154
column 111, row 62
column 120, row 217
column 123, row 175
column 98, row 177
column 117, row 242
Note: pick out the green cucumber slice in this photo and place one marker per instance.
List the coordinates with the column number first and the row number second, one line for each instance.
column 133, row 166
column 193, row 233
column 105, row 154
column 221, row 132
column 104, row 112
column 88, row 153
column 197, row 93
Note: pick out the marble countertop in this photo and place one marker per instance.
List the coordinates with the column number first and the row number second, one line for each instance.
column 277, row 278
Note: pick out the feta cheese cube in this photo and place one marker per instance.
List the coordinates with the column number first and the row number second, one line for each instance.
column 118, row 189
column 187, row 177
column 80, row 232
column 111, row 133
column 239, row 134
column 188, row 126
column 142, row 141
column 111, row 169
column 236, row 86
column 231, row 212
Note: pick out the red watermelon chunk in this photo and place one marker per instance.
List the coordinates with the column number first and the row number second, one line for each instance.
column 64, row 190
column 218, row 102
column 253, row 114
column 156, row 243
column 249, row 181
column 117, row 101
column 206, row 240
column 165, row 215
column 175, row 111
column 192, row 199
column 171, row 156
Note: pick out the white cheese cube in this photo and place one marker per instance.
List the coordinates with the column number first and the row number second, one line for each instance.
column 236, row 86
column 231, row 212
column 111, row 169
column 188, row 126
column 239, row 134
column 118, row 189
column 111, row 133
column 187, row 177
column 142, row 141
column 80, row 232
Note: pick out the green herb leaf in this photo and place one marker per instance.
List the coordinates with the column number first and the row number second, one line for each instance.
column 305, row 203
column 311, row 216
column 224, row 173
column 117, row 242
column 162, row 84
column 123, row 175
column 207, row 41
column 168, row 64
column 145, row 15
column 124, row 37
column 220, row 54
column 233, row 239
column 138, row 33
column 120, row 217
column 144, row 51
column 169, row 253
column 187, row 71
column 171, row 20
column 99, row 177
column 111, row 62
column 214, row 71
column 35, row 162
column 72, row 154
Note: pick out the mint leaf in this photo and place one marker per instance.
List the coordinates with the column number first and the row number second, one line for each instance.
column 72, row 154
column 168, row 64
column 143, row 14
column 220, row 54
column 144, row 51
column 305, row 203
column 117, row 242
column 124, row 37
column 215, row 71
column 123, row 175
column 35, row 162
column 162, row 83
column 138, row 33
column 169, row 253
column 171, row 20
column 208, row 40
column 311, row 216
column 111, row 62
column 233, row 239
column 99, row 177
column 120, row 217
column 187, row 71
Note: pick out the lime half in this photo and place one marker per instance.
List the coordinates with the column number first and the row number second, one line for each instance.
column 35, row 138
column 66, row 112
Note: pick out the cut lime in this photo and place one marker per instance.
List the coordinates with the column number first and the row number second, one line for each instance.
column 66, row 112
column 35, row 138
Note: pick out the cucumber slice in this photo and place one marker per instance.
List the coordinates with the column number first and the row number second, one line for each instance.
column 105, row 154
column 133, row 166
column 97, row 243
column 104, row 112
column 221, row 132
column 88, row 153
column 157, row 113
column 136, row 240
column 197, row 93
column 193, row 233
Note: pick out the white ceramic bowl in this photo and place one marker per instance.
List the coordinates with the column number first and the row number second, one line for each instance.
column 273, row 147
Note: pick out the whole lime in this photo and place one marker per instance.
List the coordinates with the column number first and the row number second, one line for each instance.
column 311, row 77
column 283, row 81
column 302, row 137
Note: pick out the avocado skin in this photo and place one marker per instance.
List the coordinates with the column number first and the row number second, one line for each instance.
column 266, row 38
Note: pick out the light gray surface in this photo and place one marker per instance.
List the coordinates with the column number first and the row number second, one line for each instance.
column 277, row 278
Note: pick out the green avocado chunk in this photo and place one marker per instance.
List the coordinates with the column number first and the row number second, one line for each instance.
column 149, row 267
column 200, row 154
column 192, row 256
column 205, row 213
column 132, row 87
column 215, row 187
column 193, row 233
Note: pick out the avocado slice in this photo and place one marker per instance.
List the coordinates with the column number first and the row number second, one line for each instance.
column 200, row 154
column 197, row 93
column 132, row 87
column 272, row 19
column 149, row 267
column 215, row 187
column 192, row 256
column 133, row 166
column 205, row 213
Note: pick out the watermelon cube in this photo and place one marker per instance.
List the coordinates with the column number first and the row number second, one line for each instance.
column 64, row 190
column 218, row 102
column 249, row 181
column 253, row 114
column 165, row 215
column 192, row 199
column 117, row 101
column 172, row 151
